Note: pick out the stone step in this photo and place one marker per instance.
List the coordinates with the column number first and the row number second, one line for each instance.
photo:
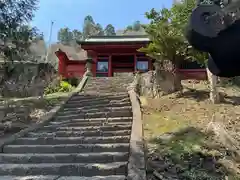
column 29, row 177
column 80, row 133
column 116, row 120
column 103, row 90
column 110, row 87
column 94, row 103
column 87, row 123
column 98, row 100
column 101, row 81
column 90, row 128
column 115, row 82
column 110, row 79
column 65, row 169
column 105, row 84
column 102, row 109
column 88, row 94
column 108, row 83
column 93, row 178
column 91, row 106
column 62, row 178
column 96, row 115
column 99, row 97
column 71, row 140
column 106, row 157
column 67, row 148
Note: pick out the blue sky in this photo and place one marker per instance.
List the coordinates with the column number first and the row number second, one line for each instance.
column 71, row 13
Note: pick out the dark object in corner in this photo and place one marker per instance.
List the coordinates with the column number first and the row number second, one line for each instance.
column 223, row 49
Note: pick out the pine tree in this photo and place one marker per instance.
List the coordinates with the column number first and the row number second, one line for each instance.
column 109, row 30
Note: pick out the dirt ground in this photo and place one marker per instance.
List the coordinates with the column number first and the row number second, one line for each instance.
column 17, row 114
column 178, row 141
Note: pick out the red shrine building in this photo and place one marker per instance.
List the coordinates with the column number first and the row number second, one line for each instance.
column 110, row 55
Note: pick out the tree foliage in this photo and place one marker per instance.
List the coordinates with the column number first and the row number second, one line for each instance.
column 65, row 36
column 136, row 26
column 89, row 27
column 88, row 18
column 68, row 37
column 129, row 28
column 76, row 34
column 99, row 30
column 109, row 30
column 16, row 12
column 15, row 35
column 166, row 31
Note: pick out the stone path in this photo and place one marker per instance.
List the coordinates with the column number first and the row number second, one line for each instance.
column 87, row 140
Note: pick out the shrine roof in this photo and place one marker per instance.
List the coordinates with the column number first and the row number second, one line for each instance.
column 115, row 40
column 73, row 53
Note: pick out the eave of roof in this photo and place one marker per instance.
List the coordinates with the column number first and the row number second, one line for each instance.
column 136, row 39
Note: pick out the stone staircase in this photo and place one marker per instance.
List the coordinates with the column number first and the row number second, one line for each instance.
column 108, row 85
column 88, row 139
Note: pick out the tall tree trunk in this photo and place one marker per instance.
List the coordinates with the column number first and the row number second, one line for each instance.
column 156, row 90
column 168, row 79
column 177, row 78
column 177, row 81
column 214, row 94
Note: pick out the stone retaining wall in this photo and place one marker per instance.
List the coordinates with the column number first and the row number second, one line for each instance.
column 27, row 79
column 155, row 84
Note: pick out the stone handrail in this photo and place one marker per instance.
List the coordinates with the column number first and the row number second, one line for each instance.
column 136, row 162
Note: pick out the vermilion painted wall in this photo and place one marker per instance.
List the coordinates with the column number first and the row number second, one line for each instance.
column 75, row 70
column 68, row 68
column 198, row 74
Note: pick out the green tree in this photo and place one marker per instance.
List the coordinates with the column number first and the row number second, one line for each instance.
column 76, row 34
column 89, row 27
column 15, row 37
column 129, row 28
column 99, row 30
column 39, row 37
column 181, row 12
column 88, row 18
column 136, row 26
column 166, row 31
column 65, row 36
column 109, row 30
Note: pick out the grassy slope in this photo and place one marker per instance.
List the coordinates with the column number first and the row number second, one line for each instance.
column 177, row 142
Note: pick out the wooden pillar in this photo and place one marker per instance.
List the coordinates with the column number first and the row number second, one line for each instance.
column 135, row 62
column 110, row 70
column 94, row 66
column 150, row 65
